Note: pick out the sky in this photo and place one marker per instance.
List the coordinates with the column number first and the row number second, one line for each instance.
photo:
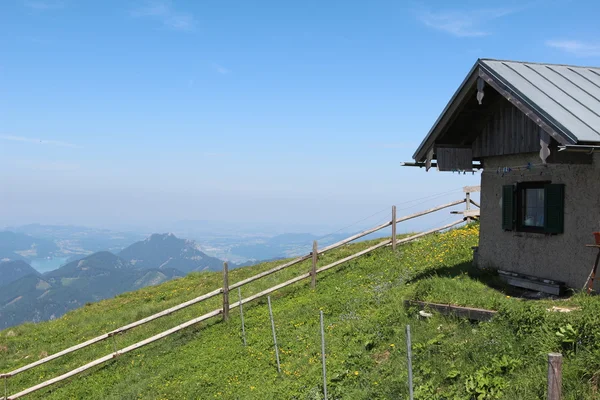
column 143, row 113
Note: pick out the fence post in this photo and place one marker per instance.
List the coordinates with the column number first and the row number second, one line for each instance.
column 274, row 335
column 225, row 292
column 313, row 271
column 468, row 205
column 323, row 357
column 242, row 315
column 409, row 356
column 394, row 228
column 554, row 376
column 6, row 387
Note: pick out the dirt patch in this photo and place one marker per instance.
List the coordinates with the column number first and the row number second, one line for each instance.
column 381, row 357
column 563, row 309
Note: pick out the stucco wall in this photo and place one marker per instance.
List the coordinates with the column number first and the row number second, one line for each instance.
column 562, row 257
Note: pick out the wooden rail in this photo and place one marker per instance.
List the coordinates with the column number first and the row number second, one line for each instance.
column 221, row 310
column 114, row 332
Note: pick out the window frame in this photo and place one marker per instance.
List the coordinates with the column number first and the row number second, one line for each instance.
column 519, row 226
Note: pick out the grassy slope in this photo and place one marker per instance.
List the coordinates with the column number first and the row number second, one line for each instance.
column 362, row 301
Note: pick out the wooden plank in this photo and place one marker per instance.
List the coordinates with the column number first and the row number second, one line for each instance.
column 471, row 189
column 418, row 235
column 356, row 255
column 467, row 213
column 402, row 219
column 474, row 314
column 357, row 236
column 273, row 289
column 531, row 282
column 269, row 272
column 431, row 210
column 225, row 292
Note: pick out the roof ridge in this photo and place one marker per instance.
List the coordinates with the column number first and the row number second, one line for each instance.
column 539, row 63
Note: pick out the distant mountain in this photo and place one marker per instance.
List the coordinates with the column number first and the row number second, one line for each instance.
column 99, row 276
column 167, row 251
column 80, row 239
column 11, row 271
column 284, row 245
column 15, row 246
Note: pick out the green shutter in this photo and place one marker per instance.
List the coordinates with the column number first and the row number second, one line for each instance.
column 508, row 207
column 554, row 199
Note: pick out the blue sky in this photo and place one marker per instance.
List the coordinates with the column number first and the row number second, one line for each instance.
column 118, row 113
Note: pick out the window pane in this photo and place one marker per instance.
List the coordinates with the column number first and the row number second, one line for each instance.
column 533, row 207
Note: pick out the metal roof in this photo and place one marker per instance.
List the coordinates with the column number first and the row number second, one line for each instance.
column 567, row 94
column 566, row 97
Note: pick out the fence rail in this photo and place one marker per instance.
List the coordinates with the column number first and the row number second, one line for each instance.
column 226, row 306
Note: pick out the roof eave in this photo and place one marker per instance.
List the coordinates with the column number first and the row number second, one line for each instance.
column 421, row 151
column 556, row 130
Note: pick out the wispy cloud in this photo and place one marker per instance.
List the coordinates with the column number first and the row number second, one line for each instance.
column 38, row 141
column 220, row 69
column 164, row 12
column 462, row 23
column 42, row 5
column 576, row 47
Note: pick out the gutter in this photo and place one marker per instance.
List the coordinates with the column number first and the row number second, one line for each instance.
column 580, row 148
column 434, row 165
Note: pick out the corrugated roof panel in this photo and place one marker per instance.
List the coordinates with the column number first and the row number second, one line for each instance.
column 560, row 99
column 589, row 74
column 571, row 97
column 578, row 80
column 528, row 84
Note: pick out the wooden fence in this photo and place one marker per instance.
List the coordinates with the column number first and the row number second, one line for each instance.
column 224, row 291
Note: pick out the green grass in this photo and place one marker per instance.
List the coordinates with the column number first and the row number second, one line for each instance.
column 365, row 325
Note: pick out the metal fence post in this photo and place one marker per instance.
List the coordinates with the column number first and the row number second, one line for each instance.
column 554, row 376
column 409, row 356
column 323, row 357
column 242, row 315
column 274, row 335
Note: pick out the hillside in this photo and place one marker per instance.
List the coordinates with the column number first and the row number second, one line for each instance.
column 168, row 251
column 365, row 325
column 15, row 246
column 11, row 271
column 102, row 275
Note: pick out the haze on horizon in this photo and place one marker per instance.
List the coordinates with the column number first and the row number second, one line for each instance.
column 144, row 113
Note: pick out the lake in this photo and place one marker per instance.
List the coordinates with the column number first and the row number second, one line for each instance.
column 45, row 265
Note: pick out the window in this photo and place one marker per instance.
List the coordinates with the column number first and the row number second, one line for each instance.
column 530, row 203
column 533, row 207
